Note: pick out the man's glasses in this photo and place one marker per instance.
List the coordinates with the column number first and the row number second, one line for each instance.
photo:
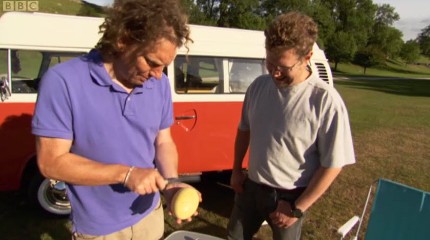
column 280, row 69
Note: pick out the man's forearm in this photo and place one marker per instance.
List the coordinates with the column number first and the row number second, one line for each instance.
column 319, row 184
column 167, row 159
column 240, row 147
column 56, row 162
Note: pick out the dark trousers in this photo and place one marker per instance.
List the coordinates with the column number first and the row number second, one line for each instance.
column 253, row 206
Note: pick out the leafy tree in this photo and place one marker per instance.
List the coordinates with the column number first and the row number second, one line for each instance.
column 351, row 20
column 209, row 8
column 424, row 41
column 322, row 16
column 240, row 14
column 316, row 9
column 226, row 13
column 272, row 8
column 341, row 48
column 344, row 25
column 92, row 10
column 196, row 15
column 410, row 51
column 355, row 17
column 368, row 57
column 394, row 43
column 202, row 12
column 364, row 59
column 386, row 15
column 385, row 36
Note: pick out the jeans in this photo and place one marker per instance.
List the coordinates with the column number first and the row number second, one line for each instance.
column 253, row 206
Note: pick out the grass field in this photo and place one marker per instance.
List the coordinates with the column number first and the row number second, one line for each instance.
column 393, row 68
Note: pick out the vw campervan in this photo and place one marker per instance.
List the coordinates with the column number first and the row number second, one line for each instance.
column 207, row 87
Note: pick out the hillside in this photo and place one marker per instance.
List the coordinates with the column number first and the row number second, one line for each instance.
column 68, row 7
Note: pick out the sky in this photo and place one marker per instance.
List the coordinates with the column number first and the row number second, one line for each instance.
column 414, row 16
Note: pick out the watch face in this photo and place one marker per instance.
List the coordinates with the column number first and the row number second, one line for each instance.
column 297, row 213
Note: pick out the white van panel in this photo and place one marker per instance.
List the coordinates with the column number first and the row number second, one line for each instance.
column 65, row 33
column 43, row 31
column 229, row 42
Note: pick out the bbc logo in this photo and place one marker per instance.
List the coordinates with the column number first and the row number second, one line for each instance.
column 21, row 6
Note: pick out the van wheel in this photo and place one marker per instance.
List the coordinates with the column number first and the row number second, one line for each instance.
column 49, row 195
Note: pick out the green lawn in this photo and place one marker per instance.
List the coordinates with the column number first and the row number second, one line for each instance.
column 392, row 69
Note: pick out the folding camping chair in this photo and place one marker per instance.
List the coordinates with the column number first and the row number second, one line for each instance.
column 399, row 212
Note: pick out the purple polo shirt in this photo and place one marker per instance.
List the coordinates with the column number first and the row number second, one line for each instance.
column 78, row 101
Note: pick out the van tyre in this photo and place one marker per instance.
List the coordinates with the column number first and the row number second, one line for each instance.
column 49, row 195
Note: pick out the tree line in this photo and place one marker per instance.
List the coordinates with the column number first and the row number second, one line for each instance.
column 357, row 31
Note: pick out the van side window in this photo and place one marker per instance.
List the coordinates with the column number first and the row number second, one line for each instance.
column 52, row 58
column 242, row 72
column 197, row 74
column 25, row 66
column 3, row 61
column 28, row 66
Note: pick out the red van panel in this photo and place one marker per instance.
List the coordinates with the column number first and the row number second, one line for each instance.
column 204, row 133
column 16, row 142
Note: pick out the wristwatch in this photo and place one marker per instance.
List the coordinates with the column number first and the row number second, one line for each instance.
column 296, row 212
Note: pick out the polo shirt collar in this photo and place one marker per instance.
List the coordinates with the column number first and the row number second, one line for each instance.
column 101, row 77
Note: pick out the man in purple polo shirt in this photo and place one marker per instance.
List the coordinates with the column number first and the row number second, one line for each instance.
column 102, row 123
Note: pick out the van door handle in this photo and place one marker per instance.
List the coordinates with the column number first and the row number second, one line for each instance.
column 185, row 117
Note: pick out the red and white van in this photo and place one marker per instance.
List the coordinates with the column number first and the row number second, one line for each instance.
column 208, row 89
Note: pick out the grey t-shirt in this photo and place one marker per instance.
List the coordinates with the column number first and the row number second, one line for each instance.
column 294, row 131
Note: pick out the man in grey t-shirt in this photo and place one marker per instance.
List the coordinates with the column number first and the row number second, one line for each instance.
column 297, row 129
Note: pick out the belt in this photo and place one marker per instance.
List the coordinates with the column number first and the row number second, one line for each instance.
column 279, row 191
column 297, row 190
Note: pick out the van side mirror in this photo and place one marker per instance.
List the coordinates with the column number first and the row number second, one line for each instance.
column 4, row 89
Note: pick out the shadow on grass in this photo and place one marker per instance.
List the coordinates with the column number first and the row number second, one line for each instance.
column 217, row 193
column 215, row 207
column 406, row 87
column 204, row 226
column 20, row 220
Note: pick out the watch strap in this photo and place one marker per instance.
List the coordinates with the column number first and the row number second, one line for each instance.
column 296, row 212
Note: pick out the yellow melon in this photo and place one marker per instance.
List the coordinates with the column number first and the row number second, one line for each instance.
column 185, row 203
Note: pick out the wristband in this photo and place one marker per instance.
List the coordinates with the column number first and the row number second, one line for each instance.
column 127, row 175
column 171, row 180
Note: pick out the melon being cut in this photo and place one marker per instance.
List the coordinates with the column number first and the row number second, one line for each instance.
column 185, row 203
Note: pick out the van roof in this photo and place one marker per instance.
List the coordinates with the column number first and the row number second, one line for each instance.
column 42, row 31
column 56, row 32
column 45, row 31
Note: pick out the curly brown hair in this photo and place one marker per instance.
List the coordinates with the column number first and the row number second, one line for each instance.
column 141, row 23
column 292, row 30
